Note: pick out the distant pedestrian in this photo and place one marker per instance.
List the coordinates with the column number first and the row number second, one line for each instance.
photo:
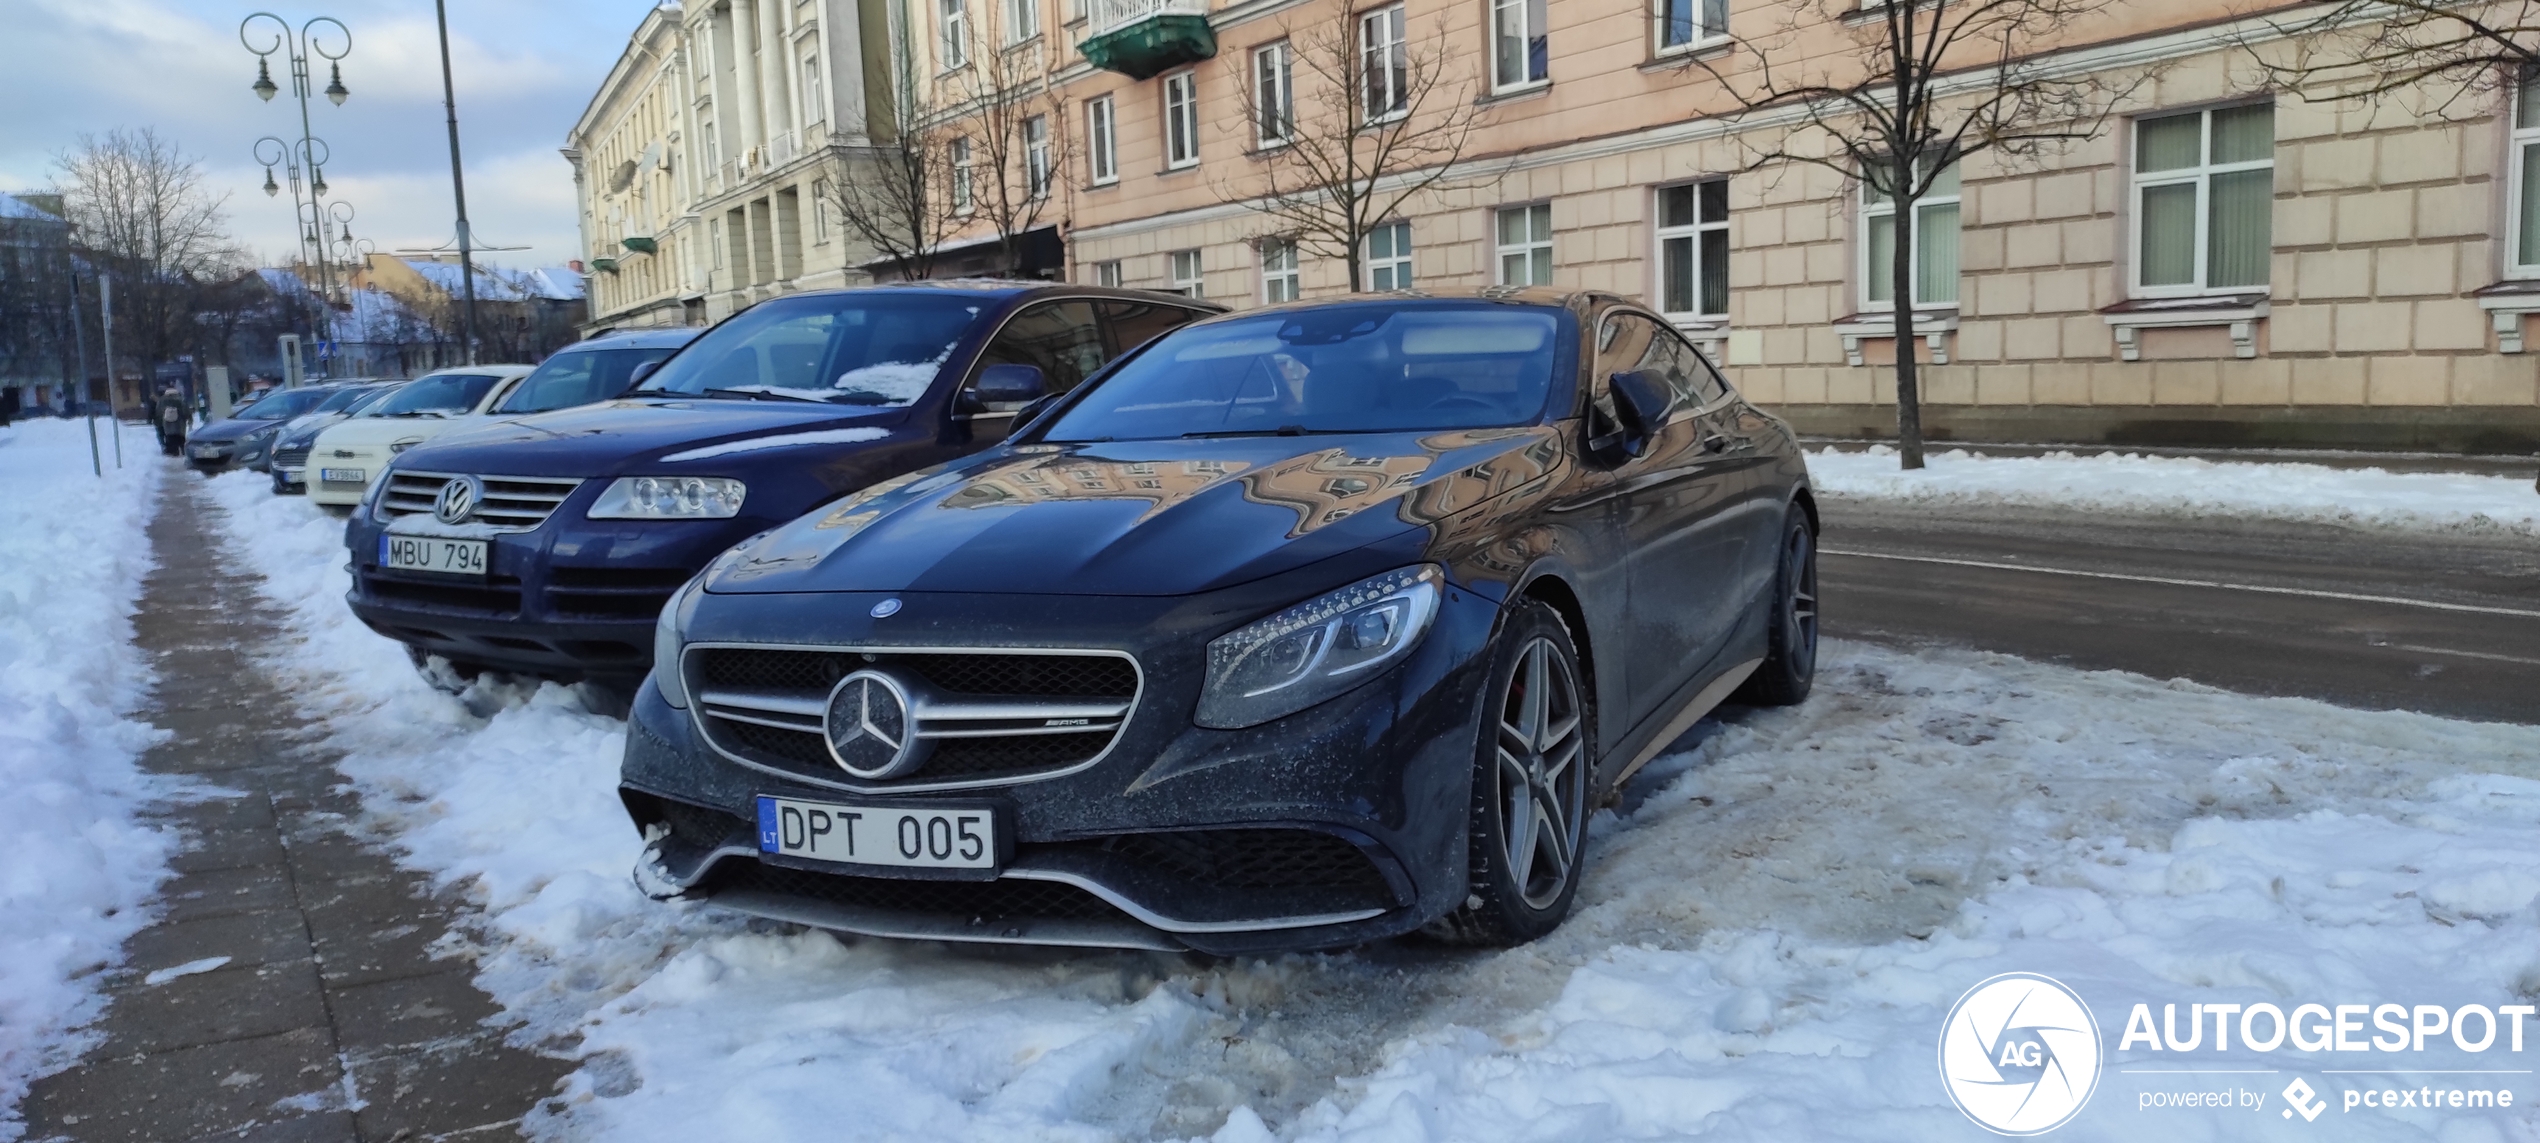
column 171, row 414
column 8, row 407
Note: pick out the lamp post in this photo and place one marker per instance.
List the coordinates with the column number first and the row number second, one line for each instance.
column 458, row 190
column 297, row 47
column 312, row 152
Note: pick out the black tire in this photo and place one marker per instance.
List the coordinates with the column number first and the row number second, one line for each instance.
column 1521, row 884
column 1790, row 662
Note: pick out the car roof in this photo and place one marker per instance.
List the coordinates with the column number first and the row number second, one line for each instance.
column 1015, row 288
column 659, row 337
column 499, row 371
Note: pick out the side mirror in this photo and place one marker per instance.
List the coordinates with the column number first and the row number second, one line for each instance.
column 1640, row 404
column 1003, row 388
column 643, row 370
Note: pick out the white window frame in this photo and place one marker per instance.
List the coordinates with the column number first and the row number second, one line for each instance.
column 1692, row 232
column 1707, row 31
column 812, row 91
column 952, row 34
column 1022, row 21
column 1384, row 50
column 1399, row 262
column 1280, row 279
column 963, row 190
column 1520, row 11
column 1181, row 118
column 1526, row 249
column 820, row 212
column 1273, row 95
column 1107, row 274
column 1877, row 205
column 2519, row 139
column 1189, row 275
column 1036, row 157
column 1102, row 155
column 2202, row 176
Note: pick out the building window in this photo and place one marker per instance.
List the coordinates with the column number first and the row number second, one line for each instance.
column 961, row 173
column 1107, row 274
column 1278, row 271
column 1036, row 156
column 1935, row 269
column 1022, row 20
column 1186, row 280
column 1517, row 43
column 1101, row 154
column 1684, row 23
column 1181, row 119
column 820, row 210
column 1693, row 249
column 1525, row 245
column 2204, row 200
column 814, row 109
column 714, row 241
column 2525, row 219
column 954, row 27
column 1384, row 59
column 706, row 144
column 1273, row 95
column 1389, row 257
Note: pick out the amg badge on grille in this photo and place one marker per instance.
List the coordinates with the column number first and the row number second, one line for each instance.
column 870, row 729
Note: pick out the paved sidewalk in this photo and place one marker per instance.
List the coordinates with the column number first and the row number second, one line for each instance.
column 330, row 1020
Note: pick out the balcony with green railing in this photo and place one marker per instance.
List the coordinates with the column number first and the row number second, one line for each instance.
column 1142, row 39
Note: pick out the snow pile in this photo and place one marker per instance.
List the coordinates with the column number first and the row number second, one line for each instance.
column 73, row 551
column 2136, row 483
column 1773, row 926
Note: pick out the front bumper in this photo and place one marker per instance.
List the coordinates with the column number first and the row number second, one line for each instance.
column 221, row 456
column 1340, row 824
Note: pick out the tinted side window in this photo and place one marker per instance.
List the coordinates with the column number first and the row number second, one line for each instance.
column 1059, row 338
column 1695, row 383
column 1136, row 323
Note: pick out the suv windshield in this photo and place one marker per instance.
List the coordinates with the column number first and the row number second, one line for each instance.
column 448, row 395
column 579, row 377
column 282, row 406
column 1368, row 367
column 866, row 347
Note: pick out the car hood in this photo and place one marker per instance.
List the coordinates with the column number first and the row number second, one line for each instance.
column 228, row 430
column 306, row 429
column 604, row 439
column 1139, row 517
column 383, row 431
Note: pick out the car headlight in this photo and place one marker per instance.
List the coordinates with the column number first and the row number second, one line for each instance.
column 670, row 498
column 666, row 642
column 396, row 447
column 1317, row 649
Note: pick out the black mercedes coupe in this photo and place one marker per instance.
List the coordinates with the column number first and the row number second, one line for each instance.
column 1300, row 627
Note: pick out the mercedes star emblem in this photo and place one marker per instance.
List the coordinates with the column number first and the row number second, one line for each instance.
column 871, row 728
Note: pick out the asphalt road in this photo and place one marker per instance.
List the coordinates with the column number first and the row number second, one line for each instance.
column 2442, row 622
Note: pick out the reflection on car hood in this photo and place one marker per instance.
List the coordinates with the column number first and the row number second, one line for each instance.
column 1139, row 517
column 602, row 439
column 378, row 431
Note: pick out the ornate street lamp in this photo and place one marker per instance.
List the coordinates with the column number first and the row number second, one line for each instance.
column 323, row 37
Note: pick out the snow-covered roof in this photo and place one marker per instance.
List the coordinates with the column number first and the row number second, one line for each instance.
column 556, row 283
column 444, row 276
column 12, row 206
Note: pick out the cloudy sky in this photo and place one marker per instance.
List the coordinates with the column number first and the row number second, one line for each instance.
column 524, row 69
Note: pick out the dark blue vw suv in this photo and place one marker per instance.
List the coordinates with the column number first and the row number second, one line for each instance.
column 548, row 545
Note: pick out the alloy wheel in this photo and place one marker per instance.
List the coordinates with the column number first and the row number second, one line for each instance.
column 1799, row 570
column 1542, row 776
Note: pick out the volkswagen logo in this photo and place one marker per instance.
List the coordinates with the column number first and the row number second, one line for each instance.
column 871, row 727
column 458, row 499
column 2020, row 1054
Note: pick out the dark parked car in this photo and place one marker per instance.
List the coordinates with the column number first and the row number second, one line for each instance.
column 588, row 372
column 246, row 439
column 548, row 544
column 1302, row 627
column 290, row 459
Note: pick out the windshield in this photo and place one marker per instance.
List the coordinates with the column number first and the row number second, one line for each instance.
column 447, row 395
column 340, row 400
column 579, row 378
column 868, row 347
column 283, row 406
column 1370, row 367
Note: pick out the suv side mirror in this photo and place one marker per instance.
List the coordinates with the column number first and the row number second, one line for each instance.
column 1640, row 404
column 642, row 370
column 1002, row 388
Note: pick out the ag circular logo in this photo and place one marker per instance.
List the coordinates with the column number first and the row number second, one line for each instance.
column 2020, row 1054
column 870, row 729
column 458, row 499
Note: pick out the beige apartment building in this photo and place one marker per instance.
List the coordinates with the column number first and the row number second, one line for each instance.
column 2219, row 262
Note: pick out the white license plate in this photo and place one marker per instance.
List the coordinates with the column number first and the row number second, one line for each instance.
column 432, row 554
column 340, row 474
column 206, row 450
column 853, row 834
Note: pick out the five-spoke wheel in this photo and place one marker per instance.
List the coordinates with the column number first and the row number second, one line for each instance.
column 1530, row 786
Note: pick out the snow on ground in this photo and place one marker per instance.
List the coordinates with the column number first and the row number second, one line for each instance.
column 2137, row 483
column 1775, row 923
column 79, row 865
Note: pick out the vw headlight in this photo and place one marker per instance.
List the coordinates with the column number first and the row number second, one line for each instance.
column 670, row 498
column 666, row 642
column 1317, row 649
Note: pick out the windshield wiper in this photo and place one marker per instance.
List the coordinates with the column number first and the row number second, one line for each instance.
column 421, row 413
column 1281, row 431
column 761, row 395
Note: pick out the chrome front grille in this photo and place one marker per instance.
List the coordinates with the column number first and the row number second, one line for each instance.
column 993, row 715
column 518, row 503
column 291, row 457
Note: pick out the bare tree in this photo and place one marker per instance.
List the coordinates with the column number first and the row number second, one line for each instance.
column 144, row 216
column 2362, row 50
column 1002, row 104
column 1363, row 130
column 1919, row 88
column 896, row 195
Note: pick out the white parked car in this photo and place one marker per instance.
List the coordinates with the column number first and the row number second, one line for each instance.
column 347, row 458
